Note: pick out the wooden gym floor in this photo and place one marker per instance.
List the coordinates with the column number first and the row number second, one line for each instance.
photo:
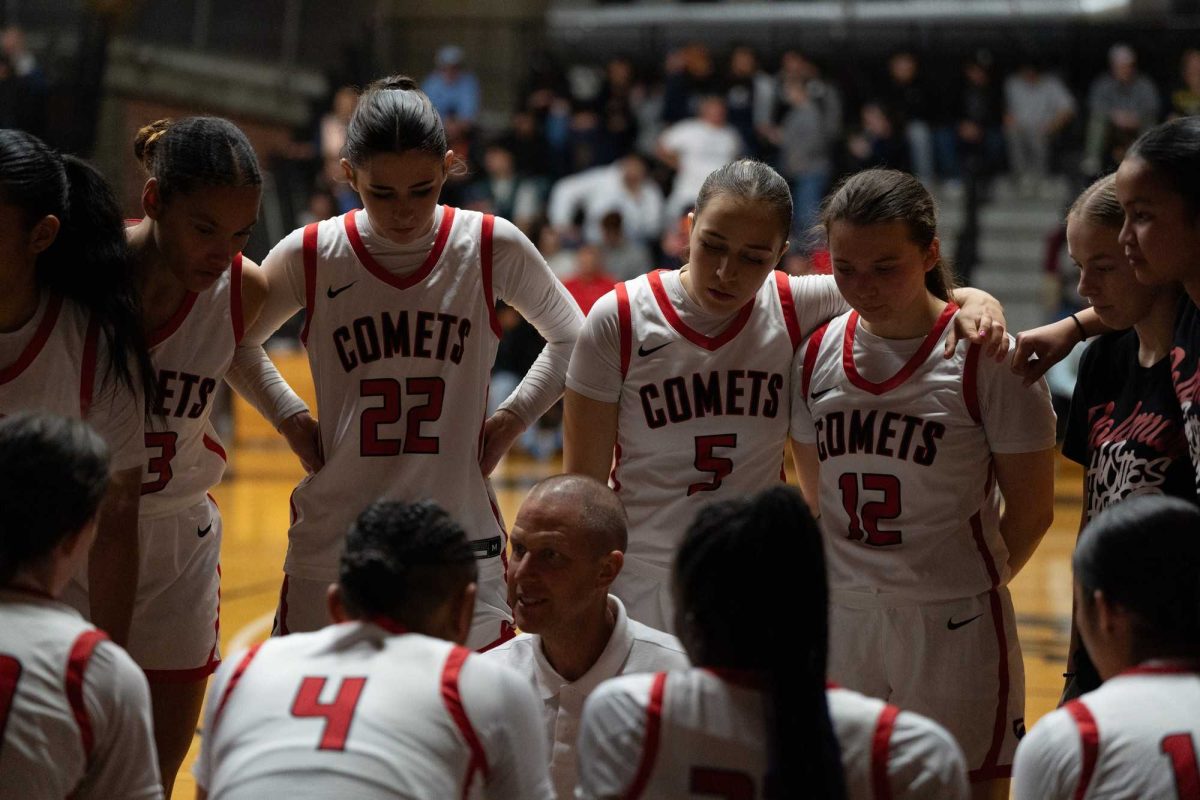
column 254, row 507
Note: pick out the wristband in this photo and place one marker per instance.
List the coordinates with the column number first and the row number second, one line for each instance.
column 1079, row 325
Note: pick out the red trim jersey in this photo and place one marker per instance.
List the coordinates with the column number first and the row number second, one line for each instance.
column 702, row 418
column 908, row 501
column 1138, row 735
column 57, row 363
column 700, row 732
column 191, row 353
column 74, row 708
column 402, row 366
column 354, row 710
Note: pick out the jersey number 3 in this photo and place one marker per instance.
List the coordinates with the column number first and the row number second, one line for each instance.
column 371, row 443
column 873, row 512
column 338, row 715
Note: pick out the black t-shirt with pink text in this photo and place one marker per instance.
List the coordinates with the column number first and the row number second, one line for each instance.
column 1185, row 377
column 1126, row 427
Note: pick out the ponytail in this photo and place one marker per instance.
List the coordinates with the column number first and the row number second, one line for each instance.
column 732, row 544
column 187, row 154
column 393, row 115
column 89, row 260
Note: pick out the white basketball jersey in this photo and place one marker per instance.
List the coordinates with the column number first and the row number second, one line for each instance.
column 402, row 366
column 355, row 711
column 1137, row 736
column 907, row 494
column 56, row 372
column 56, row 714
column 702, row 418
column 191, row 353
column 701, row 732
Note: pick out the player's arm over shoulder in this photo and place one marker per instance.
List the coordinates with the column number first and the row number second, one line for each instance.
column 924, row 760
column 124, row 763
column 1017, row 419
column 611, row 737
column 1047, row 764
column 506, row 715
column 817, row 300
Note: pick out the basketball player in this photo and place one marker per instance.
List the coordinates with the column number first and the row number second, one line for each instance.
column 71, row 340
column 907, row 454
column 1158, row 186
column 381, row 704
column 684, row 376
column 74, row 710
column 754, row 718
column 198, row 296
column 1125, row 425
column 1138, row 609
column 401, row 333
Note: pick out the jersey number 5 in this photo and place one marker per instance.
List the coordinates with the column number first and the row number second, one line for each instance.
column 10, row 673
column 372, row 444
column 1179, row 748
column 707, row 462
column 873, row 512
column 338, row 714
column 723, row 783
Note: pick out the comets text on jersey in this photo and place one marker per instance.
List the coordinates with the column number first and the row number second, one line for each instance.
column 734, row 392
column 881, row 433
column 419, row 334
column 182, row 394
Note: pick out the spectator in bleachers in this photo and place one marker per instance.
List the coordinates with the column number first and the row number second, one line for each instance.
column 525, row 140
column 876, row 143
column 624, row 257
column 1037, row 109
column 591, row 280
column 29, row 87
column 690, row 78
column 694, row 148
column 909, row 105
column 749, row 96
column 1185, row 100
column 619, row 95
column 561, row 259
column 1121, row 104
column 978, row 143
column 624, row 186
column 807, row 135
column 501, row 190
column 331, row 141
column 453, row 91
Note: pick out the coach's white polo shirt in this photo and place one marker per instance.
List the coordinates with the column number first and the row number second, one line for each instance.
column 633, row 648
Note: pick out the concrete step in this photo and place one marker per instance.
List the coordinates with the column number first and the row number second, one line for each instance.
column 1008, row 249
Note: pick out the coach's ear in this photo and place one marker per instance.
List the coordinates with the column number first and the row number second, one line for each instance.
column 464, row 613
column 337, row 607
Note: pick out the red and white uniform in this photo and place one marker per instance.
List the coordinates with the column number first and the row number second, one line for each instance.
column 74, row 708
column 57, row 363
column 401, row 361
column 704, row 408
column 919, row 610
column 701, row 732
column 1137, row 736
column 356, row 711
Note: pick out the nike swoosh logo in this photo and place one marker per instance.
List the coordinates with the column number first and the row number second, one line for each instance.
column 642, row 351
column 952, row 625
column 826, row 390
column 335, row 292
column 202, row 532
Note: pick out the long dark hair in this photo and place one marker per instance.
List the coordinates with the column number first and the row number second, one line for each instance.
column 1172, row 149
column 89, row 261
column 887, row 195
column 1144, row 555
column 193, row 152
column 393, row 115
column 53, row 475
column 737, row 545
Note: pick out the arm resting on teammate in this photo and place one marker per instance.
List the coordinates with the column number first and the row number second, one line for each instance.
column 113, row 560
column 808, row 470
column 981, row 321
column 1052, row 343
column 1026, row 481
column 589, row 435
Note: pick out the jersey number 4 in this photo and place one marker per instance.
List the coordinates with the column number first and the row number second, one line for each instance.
column 10, row 673
column 338, row 715
column 870, row 514
column 1179, row 748
column 371, row 443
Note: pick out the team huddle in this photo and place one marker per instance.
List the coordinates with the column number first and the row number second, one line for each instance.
column 665, row 619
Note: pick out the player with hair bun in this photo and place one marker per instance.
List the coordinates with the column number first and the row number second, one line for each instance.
column 401, row 333
column 70, row 319
column 678, row 392
column 198, row 296
column 755, row 716
column 74, row 710
column 907, row 454
column 1137, row 604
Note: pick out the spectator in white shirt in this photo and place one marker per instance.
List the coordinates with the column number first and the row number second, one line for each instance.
column 623, row 186
column 696, row 147
column 1037, row 107
column 568, row 545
